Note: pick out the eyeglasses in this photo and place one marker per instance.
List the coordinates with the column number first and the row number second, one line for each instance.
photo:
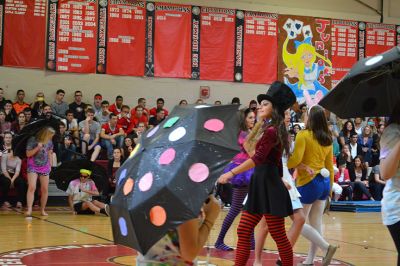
column 84, row 176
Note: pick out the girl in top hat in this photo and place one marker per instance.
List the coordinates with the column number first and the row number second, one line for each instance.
column 268, row 196
column 313, row 148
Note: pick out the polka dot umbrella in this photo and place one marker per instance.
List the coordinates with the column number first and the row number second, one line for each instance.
column 171, row 172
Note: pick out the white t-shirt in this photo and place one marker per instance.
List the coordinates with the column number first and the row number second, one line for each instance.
column 75, row 189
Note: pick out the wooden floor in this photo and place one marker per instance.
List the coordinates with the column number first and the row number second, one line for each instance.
column 362, row 238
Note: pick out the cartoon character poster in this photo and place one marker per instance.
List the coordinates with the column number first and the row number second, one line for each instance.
column 304, row 63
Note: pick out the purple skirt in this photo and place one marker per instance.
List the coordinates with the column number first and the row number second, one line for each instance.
column 242, row 179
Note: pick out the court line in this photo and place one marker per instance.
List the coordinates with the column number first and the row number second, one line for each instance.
column 77, row 230
column 68, row 227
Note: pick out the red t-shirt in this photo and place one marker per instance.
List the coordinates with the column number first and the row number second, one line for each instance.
column 109, row 131
column 153, row 111
column 113, row 108
column 123, row 122
column 133, row 111
column 135, row 121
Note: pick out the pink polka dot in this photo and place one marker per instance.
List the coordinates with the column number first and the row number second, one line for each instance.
column 167, row 156
column 146, row 182
column 158, row 215
column 214, row 125
column 198, row 172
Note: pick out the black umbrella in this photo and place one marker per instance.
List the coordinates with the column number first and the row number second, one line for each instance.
column 19, row 141
column 70, row 170
column 371, row 88
column 171, row 172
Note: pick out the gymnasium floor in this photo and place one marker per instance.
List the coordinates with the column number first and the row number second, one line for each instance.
column 65, row 239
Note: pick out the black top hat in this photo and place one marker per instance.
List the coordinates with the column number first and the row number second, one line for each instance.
column 281, row 96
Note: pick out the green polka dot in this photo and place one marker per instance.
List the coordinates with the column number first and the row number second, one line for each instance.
column 170, row 122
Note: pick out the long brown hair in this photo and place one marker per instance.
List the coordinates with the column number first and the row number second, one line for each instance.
column 318, row 124
column 243, row 113
column 278, row 121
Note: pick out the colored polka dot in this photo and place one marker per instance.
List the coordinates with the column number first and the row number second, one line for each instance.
column 128, row 186
column 135, row 150
column 167, row 156
column 214, row 125
column 177, row 134
column 171, row 121
column 158, row 216
column 201, row 106
column 146, row 182
column 122, row 226
column 122, row 176
column 152, row 132
column 198, row 172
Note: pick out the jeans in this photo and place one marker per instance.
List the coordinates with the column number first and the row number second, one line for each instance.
column 106, row 143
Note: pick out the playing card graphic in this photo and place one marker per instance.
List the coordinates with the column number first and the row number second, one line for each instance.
column 307, row 32
column 297, row 26
column 289, row 27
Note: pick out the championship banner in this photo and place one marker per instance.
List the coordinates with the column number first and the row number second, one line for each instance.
column 379, row 38
column 126, row 37
column 344, row 48
column 172, row 41
column 195, row 42
column 1, row 30
column 304, row 63
column 76, row 36
column 24, row 33
column 217, row 44
column 149, row 46
column 260, row 47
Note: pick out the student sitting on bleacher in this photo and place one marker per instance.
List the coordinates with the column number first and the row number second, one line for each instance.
column 11, row 178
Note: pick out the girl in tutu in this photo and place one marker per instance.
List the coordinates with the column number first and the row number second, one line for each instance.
column 240, row 181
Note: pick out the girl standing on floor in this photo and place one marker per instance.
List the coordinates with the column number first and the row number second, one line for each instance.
column 241, row 181
column 39, row 152
column 390, row 171
column 268, row 196
column 298, row 214
column 313, row 148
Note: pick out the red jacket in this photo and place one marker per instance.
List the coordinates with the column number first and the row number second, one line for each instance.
column 346, row 176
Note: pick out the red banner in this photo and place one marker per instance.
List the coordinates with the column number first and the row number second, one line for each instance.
column 24, row 33
column 260, row 47
column 379, row 38
column 344, row 48
column 217, row 43
column 172, row 41
column 76, row 36
column 126, row 35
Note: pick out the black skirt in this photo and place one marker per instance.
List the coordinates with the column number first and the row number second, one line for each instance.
column 267, row 193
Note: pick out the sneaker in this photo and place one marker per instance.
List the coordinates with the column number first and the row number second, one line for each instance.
column 329, row 254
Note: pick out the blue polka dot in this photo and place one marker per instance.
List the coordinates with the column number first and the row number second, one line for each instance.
column 122, row 226
column 122, row 176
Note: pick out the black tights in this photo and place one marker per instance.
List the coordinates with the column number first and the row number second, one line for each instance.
column 394, row 230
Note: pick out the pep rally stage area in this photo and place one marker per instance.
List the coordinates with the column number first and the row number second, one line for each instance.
column 66, row 239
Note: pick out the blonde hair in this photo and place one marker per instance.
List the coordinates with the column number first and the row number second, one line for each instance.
column 295, row 61
column 45, row 134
